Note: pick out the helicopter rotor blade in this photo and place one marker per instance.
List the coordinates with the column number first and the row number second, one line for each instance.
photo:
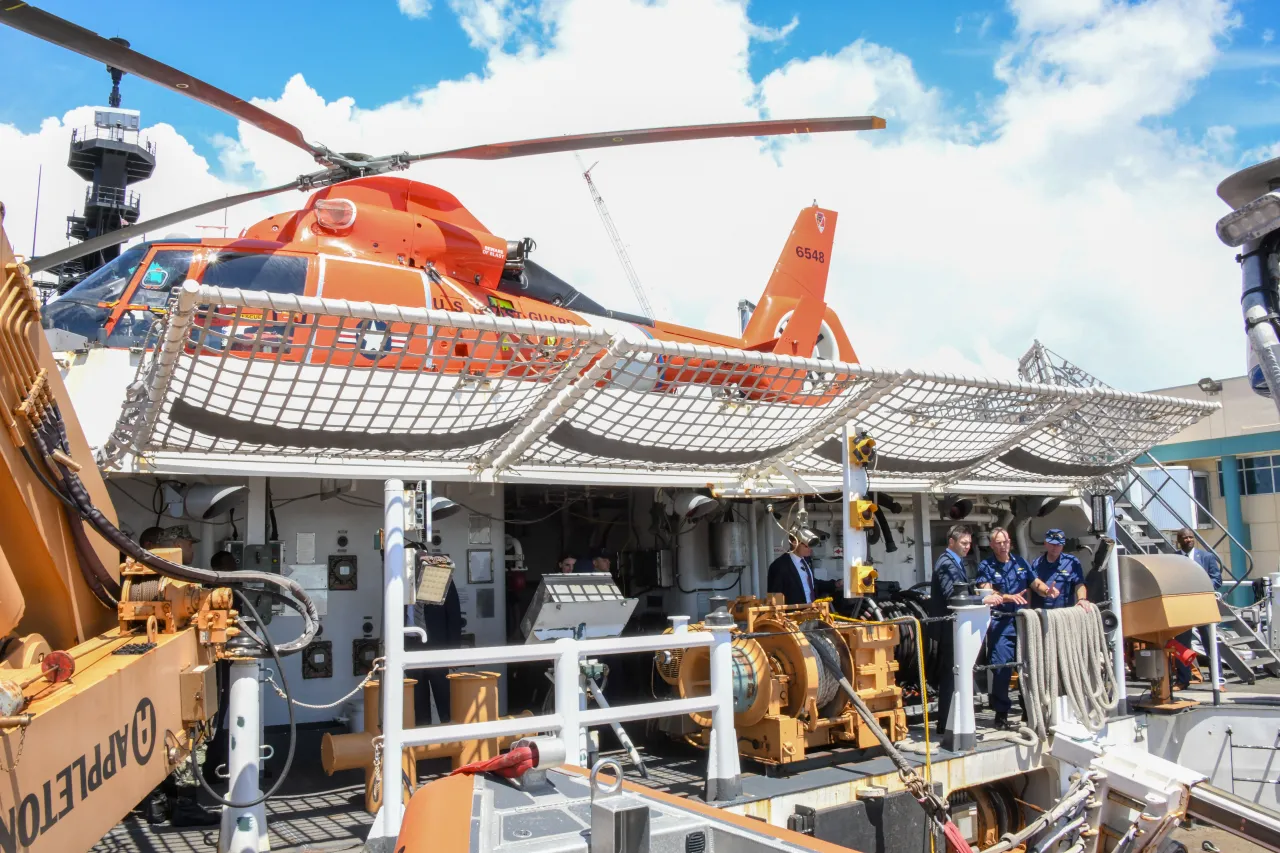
column 115, row 238
column 55, row 30
column 583, row 141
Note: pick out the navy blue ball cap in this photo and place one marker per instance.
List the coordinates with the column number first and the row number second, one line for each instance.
column 1055, row 537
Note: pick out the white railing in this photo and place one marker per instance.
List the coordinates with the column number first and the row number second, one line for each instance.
column 570, row 718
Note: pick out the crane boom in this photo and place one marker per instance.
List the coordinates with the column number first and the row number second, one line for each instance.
column 623, row 258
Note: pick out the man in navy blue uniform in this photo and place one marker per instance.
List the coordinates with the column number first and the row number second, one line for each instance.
column 1059, row 577
column 948, row 571
column 1208, row 561
column 1008, row 576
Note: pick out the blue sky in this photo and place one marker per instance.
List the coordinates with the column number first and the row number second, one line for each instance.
column 383, row 55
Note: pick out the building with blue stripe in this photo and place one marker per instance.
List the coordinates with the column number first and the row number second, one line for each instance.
column 1234, row 459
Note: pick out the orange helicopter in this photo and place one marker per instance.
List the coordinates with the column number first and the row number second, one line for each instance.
column 367, row 236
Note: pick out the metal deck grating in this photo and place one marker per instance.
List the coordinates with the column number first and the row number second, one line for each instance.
column 245, row 375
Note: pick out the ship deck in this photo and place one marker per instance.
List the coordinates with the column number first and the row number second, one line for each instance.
column 315, row 812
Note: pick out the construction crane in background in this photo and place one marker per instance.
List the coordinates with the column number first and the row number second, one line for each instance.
column 645, row 307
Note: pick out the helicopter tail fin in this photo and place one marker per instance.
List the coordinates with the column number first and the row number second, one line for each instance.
column 791, row 315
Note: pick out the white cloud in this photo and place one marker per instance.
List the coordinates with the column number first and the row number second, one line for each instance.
column 415, row 8
column 759, row 33
column 1268, row 35
column 1068, row 213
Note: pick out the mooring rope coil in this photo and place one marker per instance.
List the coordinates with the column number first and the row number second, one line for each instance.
column 1065, row 653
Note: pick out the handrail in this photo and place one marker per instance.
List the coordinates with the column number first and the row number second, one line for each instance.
column 1136, row 476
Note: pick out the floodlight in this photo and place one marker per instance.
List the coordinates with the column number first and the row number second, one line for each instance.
column 949, row 506
column 1255, row 220
column 202, row 502
column 442, row 507
column 691, row 505
column 583, row 606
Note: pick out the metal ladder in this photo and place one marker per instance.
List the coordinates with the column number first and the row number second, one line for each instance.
column 1239, row 645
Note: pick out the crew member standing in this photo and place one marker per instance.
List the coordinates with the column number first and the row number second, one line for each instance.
column 443, row 624
column 1009, row 576
column 1059, row 577
column 1208, row 561
column 949, row 571
column 792, row 575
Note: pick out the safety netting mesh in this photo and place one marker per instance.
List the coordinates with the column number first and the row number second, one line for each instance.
column 246, row 373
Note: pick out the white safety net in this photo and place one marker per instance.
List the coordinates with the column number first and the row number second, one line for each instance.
column 242, row 374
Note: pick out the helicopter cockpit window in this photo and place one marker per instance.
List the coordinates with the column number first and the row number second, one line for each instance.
column 257, row 271
column 107, row 283
column 85, row 308
column 167, row 270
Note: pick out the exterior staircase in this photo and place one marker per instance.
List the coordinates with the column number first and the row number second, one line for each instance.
column 1239, row 645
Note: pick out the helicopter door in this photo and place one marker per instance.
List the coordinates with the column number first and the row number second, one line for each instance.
column 146, row 299
column 370, row 343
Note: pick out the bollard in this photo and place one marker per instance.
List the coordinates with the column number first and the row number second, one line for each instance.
column 724, row 780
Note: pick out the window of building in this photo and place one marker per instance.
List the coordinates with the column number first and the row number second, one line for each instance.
column 1259, row 475
column 1200, row 491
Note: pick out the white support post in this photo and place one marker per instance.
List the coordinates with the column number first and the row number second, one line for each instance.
column 753, row 587
column 1215, row 673
column 969, row 628
column 856, row 550
column 244, row 830
column 392, row 693
column 724, row 780
column 1273, row 611
column 255, row 533
column 568, row 701
column 1113, row 592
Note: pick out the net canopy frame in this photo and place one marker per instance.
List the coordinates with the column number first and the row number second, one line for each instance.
column 265, row 383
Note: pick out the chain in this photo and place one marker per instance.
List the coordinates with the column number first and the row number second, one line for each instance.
column 377, row 769
column 22, row 741
column 376, row 668
column 930, row 801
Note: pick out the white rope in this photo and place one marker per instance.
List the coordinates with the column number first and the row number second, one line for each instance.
column 377, row 667
column 1064, row 652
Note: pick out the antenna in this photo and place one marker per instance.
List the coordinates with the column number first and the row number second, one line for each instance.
column 35, row 225
column 623, row 258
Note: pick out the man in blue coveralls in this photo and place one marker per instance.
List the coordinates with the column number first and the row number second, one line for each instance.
column 1208, row 561
column 947, row 572
column 1009, row 576
column 1059, row 577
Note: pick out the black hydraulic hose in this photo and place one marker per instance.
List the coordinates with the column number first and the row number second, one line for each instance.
column 104, row 587
column 80, row 496
column 883, row 523
column 293, row 726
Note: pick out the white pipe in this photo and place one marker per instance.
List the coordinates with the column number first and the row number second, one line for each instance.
column 1214, row 672
column 393, row 638
column 724, row 772
column 504, row 727
column 428, row 658
column 244, row 830
column 648, row 710
column 1273, row 610
column 1113, row 592
column 969, row 628
column 568, row 693
column 754, row 577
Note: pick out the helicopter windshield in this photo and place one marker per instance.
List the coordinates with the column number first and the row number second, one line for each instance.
column 86, row 309
column 83, row 310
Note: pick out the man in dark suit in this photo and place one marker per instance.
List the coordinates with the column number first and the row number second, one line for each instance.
column 443, row 624
column 1208, row 561
column 792, row 575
